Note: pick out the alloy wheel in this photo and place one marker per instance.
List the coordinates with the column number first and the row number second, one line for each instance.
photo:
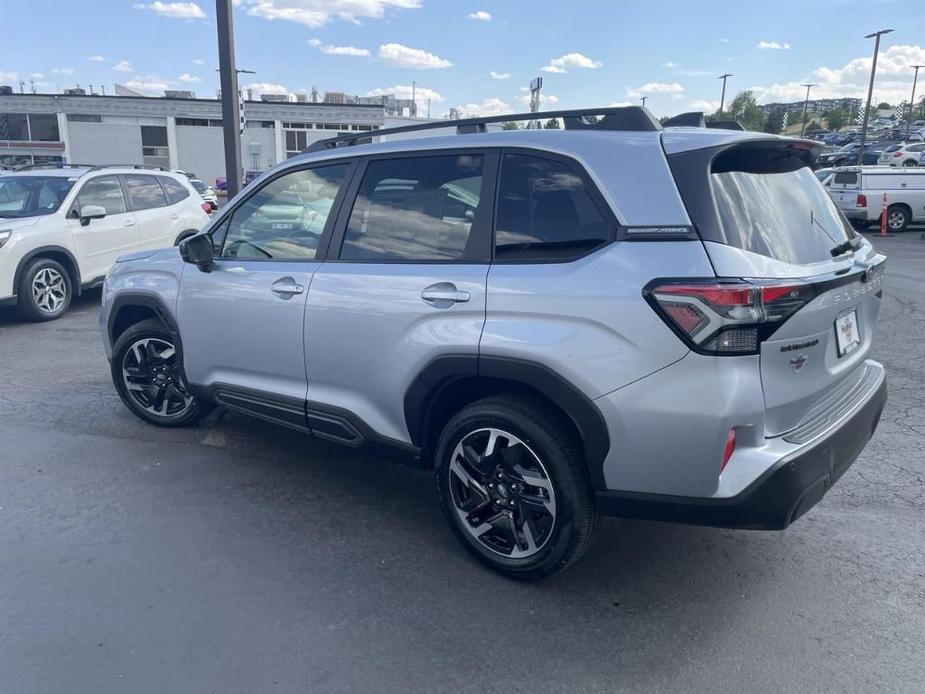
column 502, row 493
column 151, row 374
column 49, row 290
column 896, row 220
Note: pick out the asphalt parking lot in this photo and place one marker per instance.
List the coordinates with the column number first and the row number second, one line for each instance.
column 240, row 557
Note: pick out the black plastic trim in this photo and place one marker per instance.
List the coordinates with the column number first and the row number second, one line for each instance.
column 444, row 371
column 776, row 499
column 151, row 301
column 345, row 427
column 278, row 409
column 21, row 267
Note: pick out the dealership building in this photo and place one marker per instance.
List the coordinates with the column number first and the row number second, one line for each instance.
column 175, row 133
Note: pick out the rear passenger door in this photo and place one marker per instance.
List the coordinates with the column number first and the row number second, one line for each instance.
column 404, row 282
column 149, row 202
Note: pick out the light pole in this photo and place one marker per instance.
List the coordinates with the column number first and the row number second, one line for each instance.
column 912, row 100
column 228, row 80
column 722, row 98
column 805, row 104
column 645, row 97
column 870, row 89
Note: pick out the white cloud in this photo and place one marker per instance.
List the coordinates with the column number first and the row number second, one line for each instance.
column 402, row 56
column 499, row 75
column 670, row 88
column 621, row 104
column 338, row 50
column 481, row 15
column 62, row 71
column 724, row 40
column 189, row 79
column 197, row 61
column 150, row 83
column 123, row 66
column 893, row 85
column 259, row 88
column 96, row 59
column 175, row 10
column 671, row 65
column 404, row 91
column 488, row 107
column 8, row 76
column 773, row 46
column 545, row 99
column 570, row 60
column 316, row 13
column 36, row 75
column 704, row 105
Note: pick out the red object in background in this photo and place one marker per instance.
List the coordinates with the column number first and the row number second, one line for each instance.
column 883, row 217
column 207, row 208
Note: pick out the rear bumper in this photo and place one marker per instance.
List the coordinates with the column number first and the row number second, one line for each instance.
column 782, row 494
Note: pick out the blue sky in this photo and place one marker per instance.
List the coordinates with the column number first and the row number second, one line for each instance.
column 476, row 54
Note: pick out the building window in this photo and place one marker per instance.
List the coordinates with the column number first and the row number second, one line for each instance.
column 43, row 127
column 203, row 122
column 154, row 136
column 84, row 118
column 13, row 126
column 296, row 142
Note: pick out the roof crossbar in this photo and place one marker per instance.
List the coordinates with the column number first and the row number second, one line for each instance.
column 695, row 119
column 626, row 118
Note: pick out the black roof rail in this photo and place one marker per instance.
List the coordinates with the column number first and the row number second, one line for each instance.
column 725, row 125
column 691, row 119
column 627, row 118
column 34, row 167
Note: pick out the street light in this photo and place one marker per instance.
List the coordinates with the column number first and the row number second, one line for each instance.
column 722, row 98
column 870, row 89
column 645, row 97
column 912, row 100
column 805, row 104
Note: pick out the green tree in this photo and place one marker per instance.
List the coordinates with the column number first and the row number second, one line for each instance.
column 775, row 122
column 552, row 124
column 511, row 125
column 836, row 120
column 744, row 108
column 883, row 106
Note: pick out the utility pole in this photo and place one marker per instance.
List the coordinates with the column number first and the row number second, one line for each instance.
column 912, row 100
column 870, row 89
column 644, row 101
column 414, row 101
column 228, row 80
column 805, row 104
column 722, row 98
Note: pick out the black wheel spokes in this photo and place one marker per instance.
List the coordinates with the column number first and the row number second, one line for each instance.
column 503, row 495
column 151, row 375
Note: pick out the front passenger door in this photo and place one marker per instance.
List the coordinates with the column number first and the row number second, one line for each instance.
column 101, row 241
column 241, row 324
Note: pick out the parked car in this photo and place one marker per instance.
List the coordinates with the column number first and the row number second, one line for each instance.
column 206, row 192
column 533, row 322
column 62, row 229
column 824, row 174
column 903, row 154
column 859, row 192
column 848, row 155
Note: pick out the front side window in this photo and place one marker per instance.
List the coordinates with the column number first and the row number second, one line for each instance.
column 144, row 192
column 104, row 191
column 415, row 208
column 31, row 196
column 284, row 220
column 545, row 211
column 173, row 189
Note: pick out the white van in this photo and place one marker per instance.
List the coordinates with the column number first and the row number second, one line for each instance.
column 858, row 192
column 61, row 229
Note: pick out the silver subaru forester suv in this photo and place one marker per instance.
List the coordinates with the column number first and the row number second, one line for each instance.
column 612, row 318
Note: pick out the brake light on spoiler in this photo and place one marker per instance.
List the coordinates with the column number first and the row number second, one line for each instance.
column 726, row 317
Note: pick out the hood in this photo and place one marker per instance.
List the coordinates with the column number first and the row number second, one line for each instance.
column 18, row 223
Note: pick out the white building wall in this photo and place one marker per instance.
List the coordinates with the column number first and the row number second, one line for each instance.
column 104, row 143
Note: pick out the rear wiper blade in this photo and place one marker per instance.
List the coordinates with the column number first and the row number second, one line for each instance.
column 851, row 244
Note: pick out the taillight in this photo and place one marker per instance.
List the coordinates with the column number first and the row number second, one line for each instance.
column 862, row 200
column 207, row 208
column 728, row 448
column 726, row 317
column 898, row 154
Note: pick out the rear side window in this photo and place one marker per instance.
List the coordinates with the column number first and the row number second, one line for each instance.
column 104, row 191
column 787, row 216
column 415, row 208
column 545, row 211
column 847, row 178
column 144, row 192
column 174, row 190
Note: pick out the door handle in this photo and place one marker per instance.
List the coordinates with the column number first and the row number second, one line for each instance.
column 175, row 215
column 444, row 294
column 286, row 288
column 128, row 223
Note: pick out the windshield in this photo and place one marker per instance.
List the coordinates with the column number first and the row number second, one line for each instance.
column 787, row 216
column 32, row 196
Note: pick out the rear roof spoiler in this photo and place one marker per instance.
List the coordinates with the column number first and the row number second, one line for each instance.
column 695, row 119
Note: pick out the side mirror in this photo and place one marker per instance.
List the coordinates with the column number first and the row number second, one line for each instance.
column 88, row 212
column 197, row 250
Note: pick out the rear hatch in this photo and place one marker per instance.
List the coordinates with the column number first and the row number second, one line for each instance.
column 766, row 221
column 844, row 188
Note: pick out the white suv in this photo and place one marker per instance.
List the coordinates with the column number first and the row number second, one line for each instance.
column 62, row 229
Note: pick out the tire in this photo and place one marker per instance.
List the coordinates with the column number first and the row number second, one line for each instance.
column 910, row 162
column 897, row 218
column 534, row 475
column 149, row 377
column 45, row 290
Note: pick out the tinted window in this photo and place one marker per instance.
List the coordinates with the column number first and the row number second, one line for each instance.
column 787, row 216
column 144, row 192
column 28, row 196
column 845, row 178
column 284, row 219
column 175, row 191
column 545, row 211
column 419, row 208
column 154, row 135
column 104, row 191
column 13, row 126
column 44, row 127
